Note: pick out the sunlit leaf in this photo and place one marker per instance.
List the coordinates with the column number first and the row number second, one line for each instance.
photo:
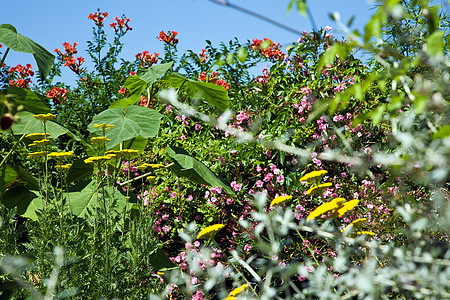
column 135, row 121
column 188, row 166
column 19, row 43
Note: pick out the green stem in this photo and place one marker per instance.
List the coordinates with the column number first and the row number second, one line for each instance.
column 4, row 56
column 12, row 149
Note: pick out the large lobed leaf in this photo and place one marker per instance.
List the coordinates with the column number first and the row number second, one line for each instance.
column 188, row 166
column 29, row 124
column 134, row 121
column 19, row 43
column 214, row 94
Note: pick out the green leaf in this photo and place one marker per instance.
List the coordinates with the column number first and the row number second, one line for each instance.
column 29, row 124
column 31, row 101
column 124, row 103
column 435, row 43
column 152, row 73
column 188, row 166
column 242, row 54
column 214, row 94
column 160, row 261
column 373, row 27
column 137, row 143
column 301, row 6
column 330, row 55
column 83, row 199
column 79, row 171
column 442, row 133
column 19, row 43
column 135, row 121
column 136, row 86
column 27, row 202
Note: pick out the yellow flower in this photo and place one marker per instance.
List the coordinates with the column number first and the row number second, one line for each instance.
column 37, row 136
column 99, row 159
column 63, row 167
column 145, row 166
column 366, row 232
column 127, row 153
column 37, row 154
column 345, row 207
column 313, row 176
column 60, row 155
column 357, row 223
column 318, row 188
column 40, row 143
column 44, row 117
column 103, row 126
column 99, row 140
column 324, row 208
column 279, row 200
column 210, row 231
column 236, row 291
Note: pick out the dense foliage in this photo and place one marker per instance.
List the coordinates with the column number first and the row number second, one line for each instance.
column 183, row 176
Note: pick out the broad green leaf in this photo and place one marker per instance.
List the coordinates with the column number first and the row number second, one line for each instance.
column 124, row 103
column 79, row 171
column 137, row 143
column 136, row 86
column 152, row 73
column 188, row 166
column 214, row 94
column 27, row 202
column 84, row 197
column 135, row 121
column 29, row 124
column 31, row 101
column 435, row 43
column 442, row 133
column 19, row 43
column 160, row 261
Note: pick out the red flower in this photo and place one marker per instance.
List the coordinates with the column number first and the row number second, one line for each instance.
column 267, row 48
column 98, row 17
column 147, row 59
column 122, row 25
column 68, row 59
column 57, row 94
column 213, row 79
column 169, row 37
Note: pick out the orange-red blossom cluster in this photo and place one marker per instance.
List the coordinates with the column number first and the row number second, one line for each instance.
column 203, row 77
column 169, row 37
column 267, row 48
column 68, row 59
column 122, row 25
column 22, row 79
column 98, row 17
column 147, row 59
column 57, row 94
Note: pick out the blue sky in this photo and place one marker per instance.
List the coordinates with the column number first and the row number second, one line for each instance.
column 50, row 23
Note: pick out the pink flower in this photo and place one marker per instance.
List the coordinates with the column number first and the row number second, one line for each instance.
column 259, row 183
column 197, row 126
column 165, row 228
column 280, row 179
column 268, row 177
column 247, row 247
column 328, row 28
